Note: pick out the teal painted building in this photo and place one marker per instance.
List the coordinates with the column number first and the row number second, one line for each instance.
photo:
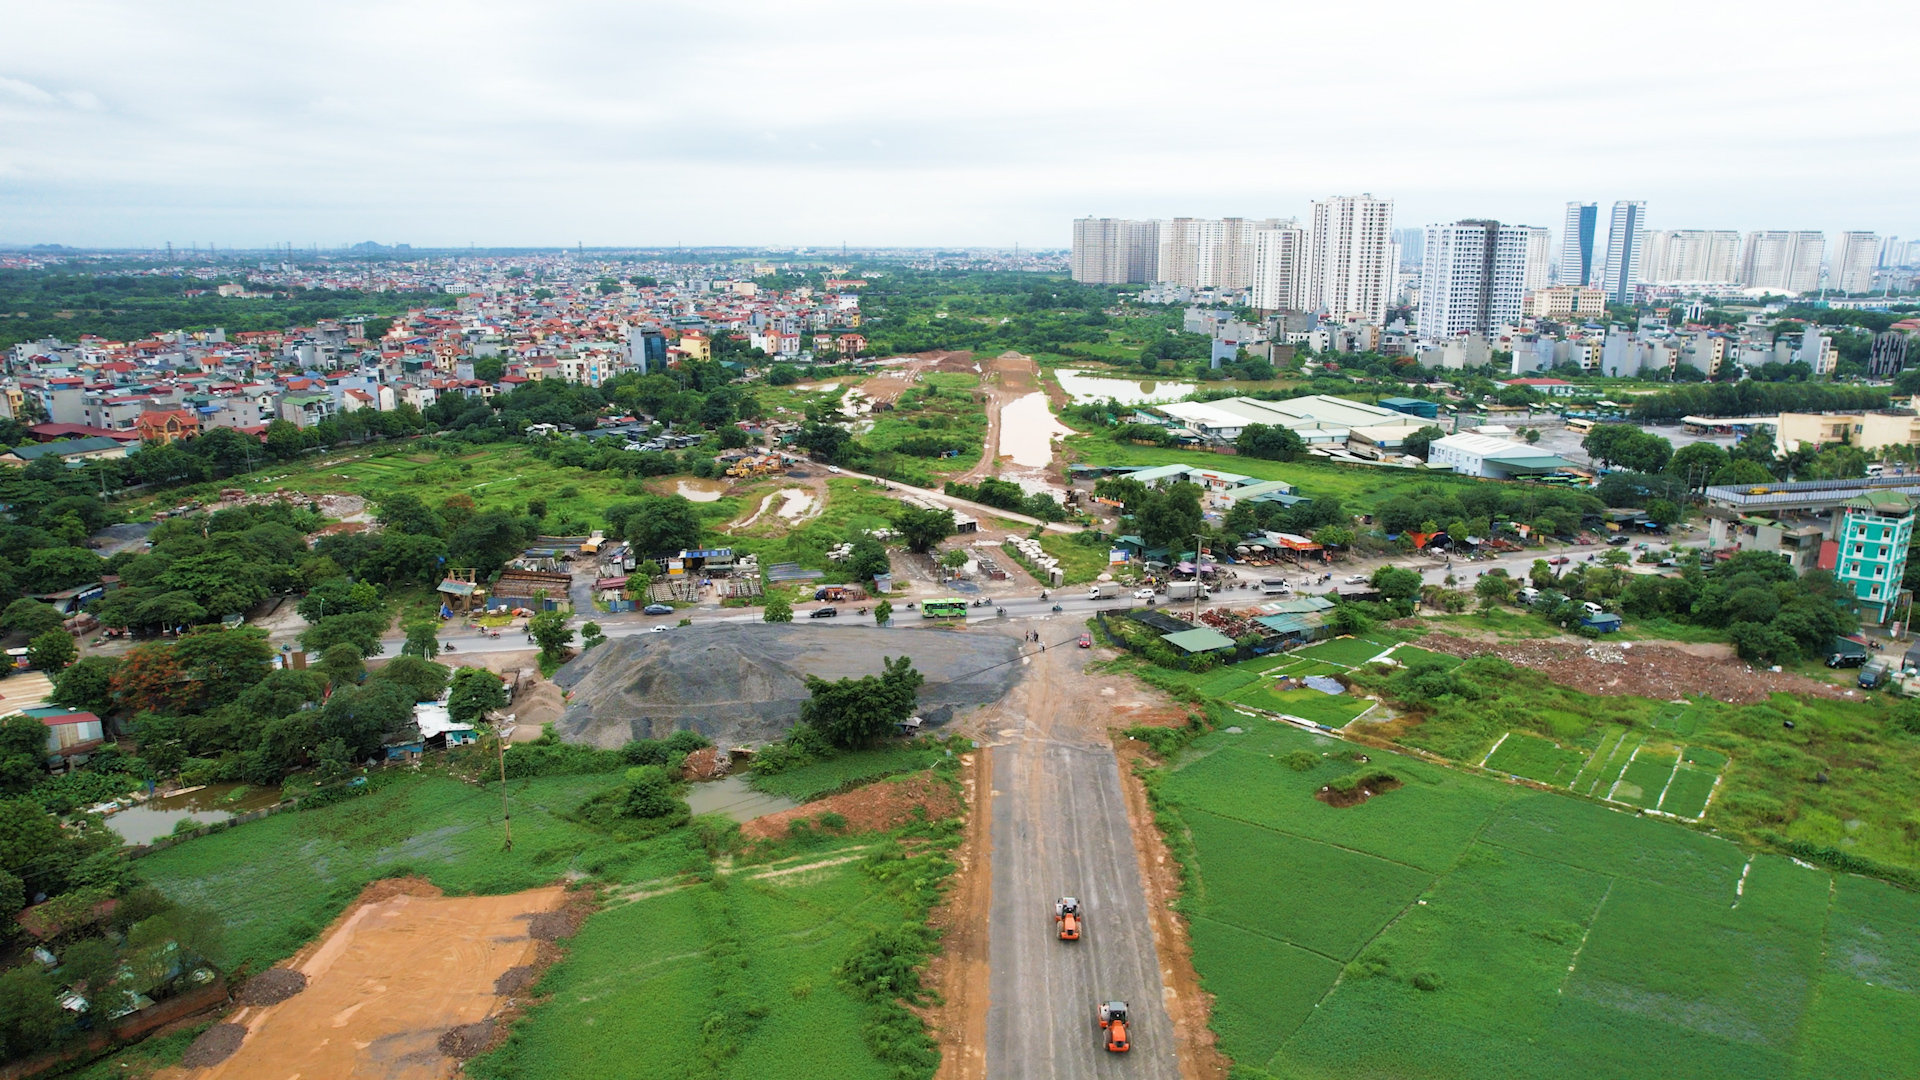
column 1871, row 557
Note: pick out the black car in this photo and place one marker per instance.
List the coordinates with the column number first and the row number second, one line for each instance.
column 658, row 609
column 823, row 613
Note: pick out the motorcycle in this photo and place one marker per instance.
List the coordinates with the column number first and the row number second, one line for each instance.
column 1056, row 607
column 448, row 647
column 860, row 611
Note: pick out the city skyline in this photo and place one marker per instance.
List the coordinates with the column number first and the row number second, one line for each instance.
column 439, row 125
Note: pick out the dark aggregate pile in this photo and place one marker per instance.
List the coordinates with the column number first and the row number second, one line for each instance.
column 272, row 986
column 514, row 979
column 215, row 1045
column 744, row 683
column 466, row 1040
column 552, row 925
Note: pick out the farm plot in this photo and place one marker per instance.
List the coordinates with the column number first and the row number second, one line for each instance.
column 1645, row 778
column 1536, row 759
column 1537, row 935
column 1333, row 710
column 1347, row 651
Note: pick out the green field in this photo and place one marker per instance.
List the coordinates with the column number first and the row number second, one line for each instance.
column 837, row 773
column 1458, row 927
column 1350, row 651
column 1333, row 710
column 1536, row 759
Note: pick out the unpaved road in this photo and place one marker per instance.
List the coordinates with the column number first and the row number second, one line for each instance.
column 1060, row 828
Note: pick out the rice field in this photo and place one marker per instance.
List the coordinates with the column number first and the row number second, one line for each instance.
column 1460, row 927
column 1536, row 758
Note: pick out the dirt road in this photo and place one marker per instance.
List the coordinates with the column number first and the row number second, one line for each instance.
column 1060, row 828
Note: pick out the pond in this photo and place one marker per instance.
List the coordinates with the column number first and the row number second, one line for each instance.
column 701, row 490
column 1087, row 387
column 731, row 796
column 155, row 818
column 1027, row 431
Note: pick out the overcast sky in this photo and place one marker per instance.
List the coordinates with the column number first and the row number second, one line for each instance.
column 895, row 122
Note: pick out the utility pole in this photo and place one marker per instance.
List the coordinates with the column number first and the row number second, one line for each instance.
column 1197, row 586
column 506, row 817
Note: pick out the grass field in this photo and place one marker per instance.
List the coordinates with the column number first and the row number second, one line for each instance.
column 823, row 778
column 1350, row 651
column 1333, row 710
column 1359, row 487
column 730, row 978
column 1536, row 759
column 1459, row 927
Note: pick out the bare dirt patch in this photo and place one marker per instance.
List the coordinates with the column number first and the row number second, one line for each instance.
column 272, row 986
column 515, row 979
column 1340, row 800
column 960, row 971
column 394, row 973
column 887, row 804
column 1642, row 669
column 214, row 1046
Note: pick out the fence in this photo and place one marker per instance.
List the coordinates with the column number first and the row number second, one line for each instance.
column 129, row 1029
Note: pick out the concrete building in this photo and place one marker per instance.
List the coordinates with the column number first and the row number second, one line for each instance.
column 1565, row 302
column 1854, row 260
column 1351, row 268
column 1474, row 278
column 1493, row 458
column 1870, row 557
column 1621, row 269
column 1782, row 261
column 1693, row 256
column 1115, row 251
column 1539, row 271
column 1576, row 244
column 1870, row 431
column 1280, row 255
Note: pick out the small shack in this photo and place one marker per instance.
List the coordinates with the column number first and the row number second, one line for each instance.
column 521, row 588
column 1606, row 622
column 1200, row 639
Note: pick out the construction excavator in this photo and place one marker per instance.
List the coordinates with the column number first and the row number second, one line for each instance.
column 1113, row 1019
column 1066, row 912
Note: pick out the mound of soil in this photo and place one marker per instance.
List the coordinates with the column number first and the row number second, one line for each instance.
column 214, row 1046
column 1340, row 800
column 1645, row 669
column 515, row 979
column 272, row 986
column 745, row 684
column 467, row 1040
column 554, row 925
column 884, row 805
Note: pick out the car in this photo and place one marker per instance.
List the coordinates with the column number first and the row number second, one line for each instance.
column 833, row 468
column 1143, row 594
column 1358, row 579
column 1086, row 641
column 1559, row 560
column 1619, row 539
column 658, row 609
column 659, row 629
column 823, row 613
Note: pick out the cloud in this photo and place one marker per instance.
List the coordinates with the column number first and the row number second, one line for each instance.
column 25, row 91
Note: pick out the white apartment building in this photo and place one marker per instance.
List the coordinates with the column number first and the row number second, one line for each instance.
column 1205, row 253
column 1782, row 260
column 1539, row 272
column 1703, row 256
column 1576, row 243
column 1620, row 270
column 1854, row 260
column 1280, row 267
column 1350, row 269
column 1115, row 251
column 1473, row 278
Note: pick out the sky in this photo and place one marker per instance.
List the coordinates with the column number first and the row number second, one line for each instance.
column 909, row 123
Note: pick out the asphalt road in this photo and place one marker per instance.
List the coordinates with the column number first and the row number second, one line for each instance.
column 1060, row 828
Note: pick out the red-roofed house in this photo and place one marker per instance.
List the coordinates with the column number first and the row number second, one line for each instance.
column 73, row 733
column 166, row 425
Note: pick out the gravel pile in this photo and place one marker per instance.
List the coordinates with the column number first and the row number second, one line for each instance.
column 744, row 684
column 272, row 986
column 514, row 979
column 466, row 1040
column 214, row 1046
column 553, row 925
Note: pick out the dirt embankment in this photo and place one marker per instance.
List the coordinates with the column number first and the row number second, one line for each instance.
column 885, row 805
column 960, row 971
column 1643, row 669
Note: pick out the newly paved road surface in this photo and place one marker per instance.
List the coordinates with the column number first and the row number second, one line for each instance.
column 1060, row 828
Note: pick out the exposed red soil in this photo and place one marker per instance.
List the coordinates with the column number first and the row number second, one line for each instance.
column 1642, row 669
column 701, row 764
column 884, row 805
column 1340, row 800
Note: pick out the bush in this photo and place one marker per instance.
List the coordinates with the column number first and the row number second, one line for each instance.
column 1354, row 781
column 1301, row 760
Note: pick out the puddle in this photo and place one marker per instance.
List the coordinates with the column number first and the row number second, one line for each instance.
column 794, row 502
column 1086, row 387
column 731, row 796
column 700, row 490
column 156, row 818
column 1027, row 429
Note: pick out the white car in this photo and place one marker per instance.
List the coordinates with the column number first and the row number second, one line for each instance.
column 659, row 629
column 833, row 468
column 1143, row 594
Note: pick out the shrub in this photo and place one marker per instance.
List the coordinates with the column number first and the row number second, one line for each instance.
column 1301, row 760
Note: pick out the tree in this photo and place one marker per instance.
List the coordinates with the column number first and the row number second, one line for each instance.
column 1396, row 584
column 150, row 679
column 650, row 793
column 225, row 662
column 418, row 679
column 361, row 629
column 362, row 717
column 23, row 753
column 487, row 541
column 551, row 632
column 662, row 524
column 853, row 712
column 1696, row 463
column 51, row 651
column 1418, row 443
column 31, row 1016
column 1493, row 589
column 882, row 612
column 284, row 440
column 777, row 609
column 868, row 559
column 1166, row 517
column 1270, row 441
column 53, row 569
column 87, row 686
column 1540, row 574
column 592, row 635
column 1838, row 463
column 408, row 513
column 1663, row 512
column 423, row 639
column 923, row 529
column 30, row 617
column 475, row 693
column 1333, row 536
column 1742, row 471
column 341, row 665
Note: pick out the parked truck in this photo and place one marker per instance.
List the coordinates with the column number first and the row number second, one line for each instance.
column 1102, row 591
column 1875, row 672
column 1186, row 590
